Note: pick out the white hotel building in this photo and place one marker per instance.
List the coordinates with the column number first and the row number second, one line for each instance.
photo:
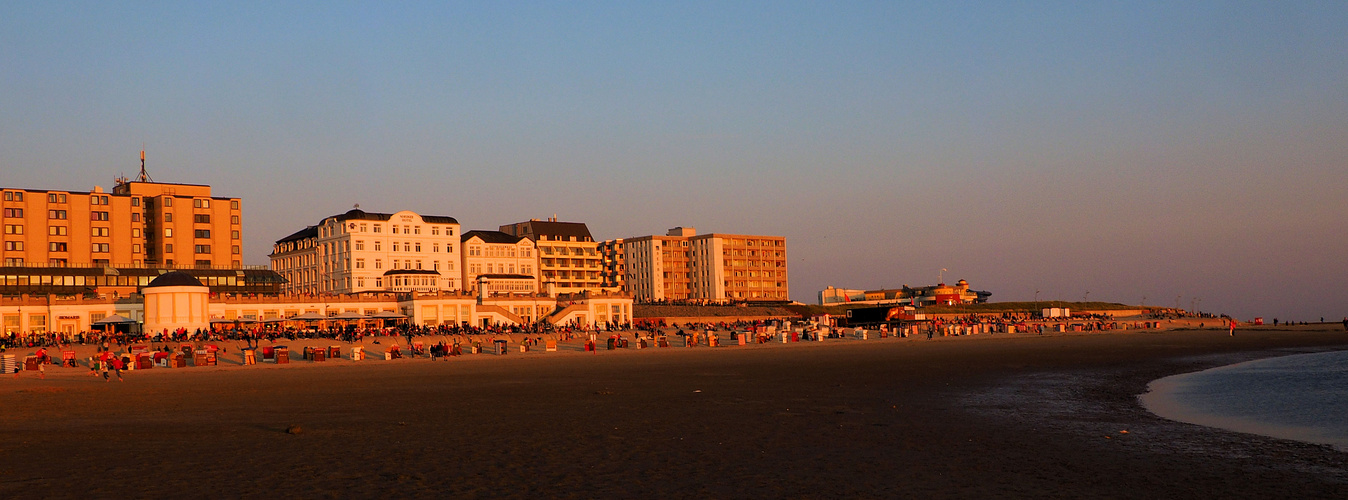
column 361, row 251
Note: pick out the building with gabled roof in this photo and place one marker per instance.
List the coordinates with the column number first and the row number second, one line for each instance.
column 568, row 256
column 511, row 260
column 359, row 251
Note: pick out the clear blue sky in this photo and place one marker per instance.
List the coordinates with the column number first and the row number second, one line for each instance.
column 1162, row 149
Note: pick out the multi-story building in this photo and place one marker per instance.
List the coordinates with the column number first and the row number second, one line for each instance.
column 715, row 268
column 361, row 251
column 568, row 257
column 140, row 223
column 74, row 243
column 615, row 268
column 509, row 262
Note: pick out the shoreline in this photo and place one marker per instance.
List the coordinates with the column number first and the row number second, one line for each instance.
column 982, row 415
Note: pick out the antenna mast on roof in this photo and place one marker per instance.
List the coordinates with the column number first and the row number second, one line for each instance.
column 143, row 177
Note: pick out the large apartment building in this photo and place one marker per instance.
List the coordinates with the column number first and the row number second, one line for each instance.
column 64, row 243
column 139, row 223
column 714, row 268
column 362, row 251
column 569, row 259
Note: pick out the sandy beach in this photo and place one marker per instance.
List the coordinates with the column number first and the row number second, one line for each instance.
column 978, row 416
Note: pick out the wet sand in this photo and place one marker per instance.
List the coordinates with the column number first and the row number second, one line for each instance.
column 969, row 416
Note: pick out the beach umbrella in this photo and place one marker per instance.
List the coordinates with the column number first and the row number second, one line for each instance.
column 115, row 319
column 350, row 316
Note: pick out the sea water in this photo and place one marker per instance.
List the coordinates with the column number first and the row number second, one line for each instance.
column 1301, row 397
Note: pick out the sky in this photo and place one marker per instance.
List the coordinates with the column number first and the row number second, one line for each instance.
column 1160, row 153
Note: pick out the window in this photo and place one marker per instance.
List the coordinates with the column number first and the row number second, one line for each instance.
column 168, row 248
column 416, row 230
column 378, row 264
column 378, row 228
column 233, row 204
column 202, row 218
column 360, row 245
column 201, row 203
column 435, row 230
column 418, row 264
column 56, row 230
column 435, row 247
column 395, row 229
column 9, row 196
column 418, row 246
column 13, row 229
column 234, row 235
column 360, row 263
column 100, row 247
column 168, row 217
column 99, row 231
column 376, row 244
column 233, row 219
column 234, row 250
column 13, row 212
column 56, row 246
column 98, row 216
column 168, row 232
column 13, row 245
column 135, row 248
column 202, row 249
column 135, row 217
column 135, row 201
column 395, row 246
column 168, row 202
column 56, row 198
column 201, row 233
column 56, row 214
column 449, row 247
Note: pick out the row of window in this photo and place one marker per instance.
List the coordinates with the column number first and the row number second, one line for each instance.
column 365, row 227
column 396, row 246
column 488, row 268
column 168, row 248
column 510, row 251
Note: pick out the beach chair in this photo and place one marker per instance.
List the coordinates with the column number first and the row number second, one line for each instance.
column 68, row 359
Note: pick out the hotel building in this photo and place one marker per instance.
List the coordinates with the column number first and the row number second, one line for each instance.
column 569, row 259
column 362, row 251
column 503, row 263
column 715, row 268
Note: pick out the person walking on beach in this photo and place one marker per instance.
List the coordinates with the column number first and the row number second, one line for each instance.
column 1233, row 327
column 105, row 362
